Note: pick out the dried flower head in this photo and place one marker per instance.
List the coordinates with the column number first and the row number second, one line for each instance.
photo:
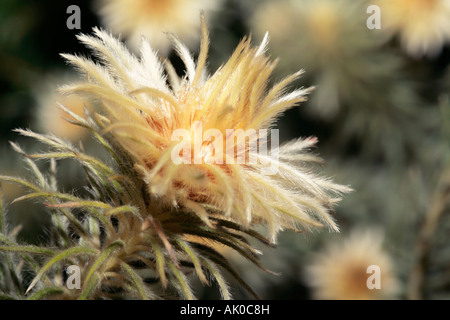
column 342, row 271
column 143, row 113
column 422, row 25
column 151, row 18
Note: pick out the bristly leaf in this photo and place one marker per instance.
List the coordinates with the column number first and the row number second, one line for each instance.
column 59, row 257
column 224, row 288
column 34, row 169
column 20, row 181
column 113, row 247
column 89, row 287
column 221, row 261
column 137, row 280
column 193, row 256
column 183, row 283
column 160, row 261
column 28, row 249
column 45, row 292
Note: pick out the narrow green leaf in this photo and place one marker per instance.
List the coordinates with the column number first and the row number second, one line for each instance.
column 20, row 181
column 79, row 120
column 34, row 169
column 75, row 223
column 137, row 280
column 38, row 295
column 108, row 147
column 89, row 288
column 8, row 274
column 193, row 255
column 184, row 285
column 220, row 260
column 46, row 139
column 78, row 203
column 52, row 196
column 59, row 229
column 61, row 256
column 100, row 216
column 48, row 194
column 5, row 239
column 112, row 248
column 224, row 289
column 24, row 251
column 31, row 196
column 28, row 249
column 160, row 261
column 94, row 227
column 124, row 209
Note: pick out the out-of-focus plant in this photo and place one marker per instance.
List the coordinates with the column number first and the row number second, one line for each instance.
column 429, row 274
column 340, row 271
column 423, row 26
column 363, row 92
column 152, row 19
column 329, row 39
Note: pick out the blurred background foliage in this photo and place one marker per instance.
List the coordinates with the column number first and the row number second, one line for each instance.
column 382, row 118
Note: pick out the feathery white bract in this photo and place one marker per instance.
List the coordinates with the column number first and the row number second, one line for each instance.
column 143, row 111
column 134, row 19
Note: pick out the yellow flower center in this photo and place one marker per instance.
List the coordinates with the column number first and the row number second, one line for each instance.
column 357, row 282
column 157, row 7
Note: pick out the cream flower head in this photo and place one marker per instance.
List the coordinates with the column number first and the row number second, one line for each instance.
column 152, row 18
column 422, row 25
column 342, row 271
column 143, row 109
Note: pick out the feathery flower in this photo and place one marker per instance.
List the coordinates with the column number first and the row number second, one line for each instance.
column 151, row 18
column 422, row 25
column 143, row 113
column 341, row 271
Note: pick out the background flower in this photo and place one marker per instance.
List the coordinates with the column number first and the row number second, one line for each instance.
column 340, row 271
column 329, row 39
column 363, row 90
column 153, row 18
column 423, row 26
